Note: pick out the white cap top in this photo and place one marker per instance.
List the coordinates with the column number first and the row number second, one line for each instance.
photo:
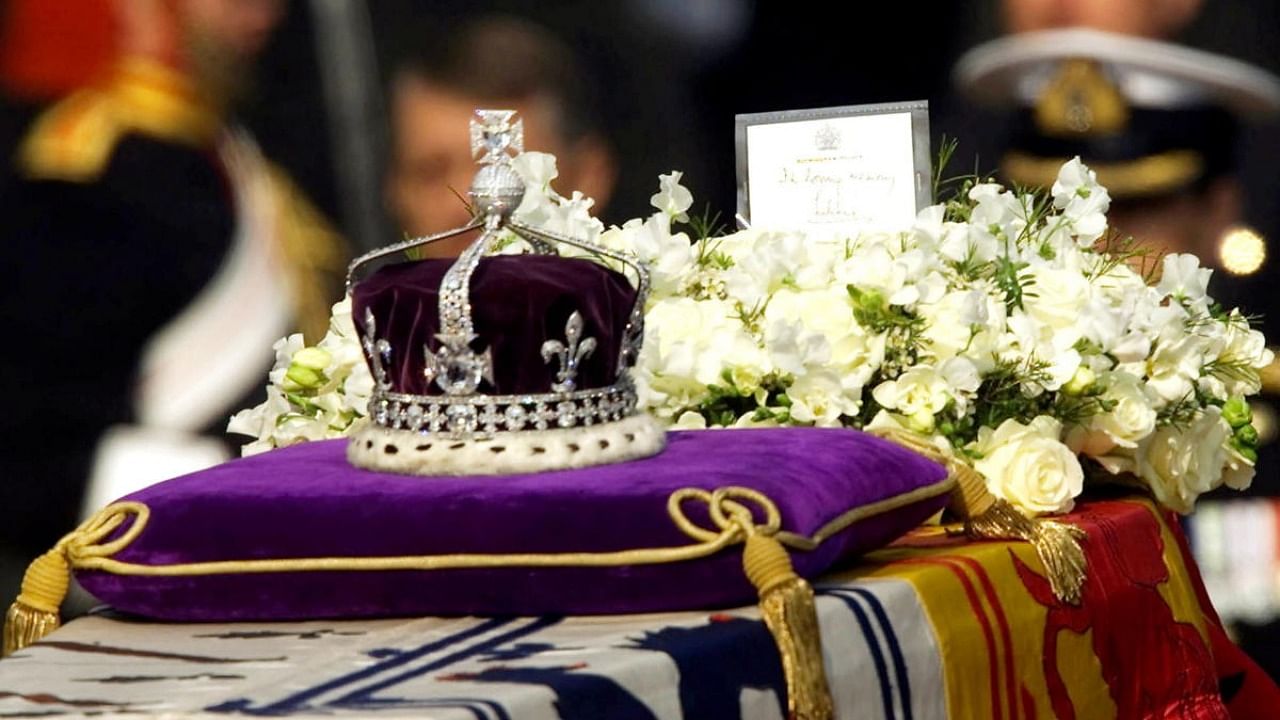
column 1149, row 73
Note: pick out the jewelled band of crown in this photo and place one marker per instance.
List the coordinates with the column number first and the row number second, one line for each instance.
column 478, row 416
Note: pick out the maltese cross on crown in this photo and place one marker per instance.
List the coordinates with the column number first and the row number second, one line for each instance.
column 494, row 133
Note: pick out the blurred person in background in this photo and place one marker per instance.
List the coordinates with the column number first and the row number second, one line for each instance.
column 1159, row 122
column 490, row 62
column 155, row 258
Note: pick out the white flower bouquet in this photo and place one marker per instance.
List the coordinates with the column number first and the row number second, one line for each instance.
column 1010, row 327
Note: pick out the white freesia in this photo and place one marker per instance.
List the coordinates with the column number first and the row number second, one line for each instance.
column 1083, row 202
column 818, row 398
column 1029, row 466
column 1182, row 277
column 672, row 198
column 1174, row 367
column 919, row 393
column 1239, row 470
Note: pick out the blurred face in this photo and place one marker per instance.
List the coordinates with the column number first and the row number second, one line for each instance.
column 431, row 164
column 221, row 38
column 239, row 27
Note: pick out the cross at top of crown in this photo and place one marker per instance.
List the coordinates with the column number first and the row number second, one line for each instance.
column 494, row 133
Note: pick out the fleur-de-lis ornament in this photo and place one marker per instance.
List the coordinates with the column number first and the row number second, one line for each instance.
column 573, row 351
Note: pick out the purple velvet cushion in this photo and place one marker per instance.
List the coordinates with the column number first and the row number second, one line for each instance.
column 307, row 502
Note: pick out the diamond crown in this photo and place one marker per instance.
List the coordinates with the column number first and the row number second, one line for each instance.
column 458, row 363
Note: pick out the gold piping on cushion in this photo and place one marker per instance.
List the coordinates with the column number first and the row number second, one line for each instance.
column 1151, row 175
column 987, row 516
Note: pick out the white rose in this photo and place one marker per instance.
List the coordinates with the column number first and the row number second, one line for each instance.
column 827, row 311
column 1181, row 464
column 1028, row 465
column 685, row 349
column 1131, row 419
column 953, row 321
column 1056, row 296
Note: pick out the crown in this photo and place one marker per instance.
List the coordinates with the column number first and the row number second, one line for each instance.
column 493, row 364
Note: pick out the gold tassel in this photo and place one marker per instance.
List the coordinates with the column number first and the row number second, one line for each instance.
column 1057, row 544
column 35, row 613
column 787, row 605
column 987, row 516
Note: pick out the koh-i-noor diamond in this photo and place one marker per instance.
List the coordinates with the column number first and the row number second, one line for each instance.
column 456, row 368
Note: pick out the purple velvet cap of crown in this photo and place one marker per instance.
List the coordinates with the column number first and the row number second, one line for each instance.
column 307, row 501
column 517, row 302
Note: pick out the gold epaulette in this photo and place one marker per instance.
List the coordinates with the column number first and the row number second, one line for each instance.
column 75, row 139
column 71, row 141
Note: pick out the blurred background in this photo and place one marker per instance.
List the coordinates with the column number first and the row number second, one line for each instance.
column 351, row 111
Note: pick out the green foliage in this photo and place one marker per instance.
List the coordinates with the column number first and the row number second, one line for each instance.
column 726, row 402
column 705, row 225
column 1013, row 283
